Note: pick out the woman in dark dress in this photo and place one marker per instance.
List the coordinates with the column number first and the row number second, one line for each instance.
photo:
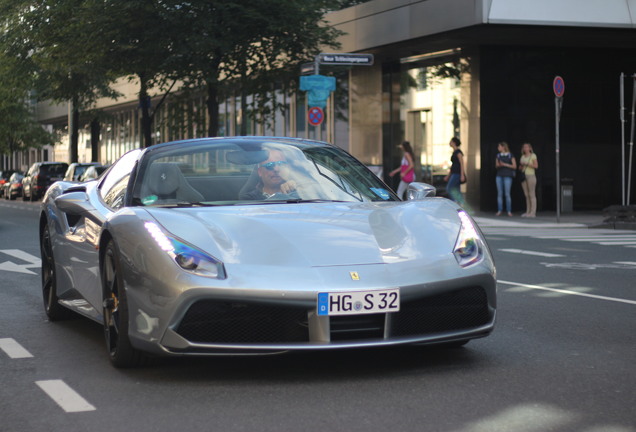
column 457, row 173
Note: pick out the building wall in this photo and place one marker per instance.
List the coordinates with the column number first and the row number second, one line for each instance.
column 365, row 114
column 518, row 106
column 511, row 50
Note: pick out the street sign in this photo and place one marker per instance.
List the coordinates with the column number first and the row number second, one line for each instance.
column 558, row 85
column 346, row 59
column 315, row 116
column 308, row 68
column 318, row 88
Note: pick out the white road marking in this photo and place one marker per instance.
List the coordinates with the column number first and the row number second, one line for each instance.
column 525, row 252
column 19, row 254
column 617, row 243
column 67, row 398
column 562, row 291
column 13, row 349
column 588, row 237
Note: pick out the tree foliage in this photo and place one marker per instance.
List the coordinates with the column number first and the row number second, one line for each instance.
column 18, row 128
column 72, row 50
column 246, row 46
column 55, row 42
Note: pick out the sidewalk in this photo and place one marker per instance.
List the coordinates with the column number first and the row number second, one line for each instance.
column 549, row 220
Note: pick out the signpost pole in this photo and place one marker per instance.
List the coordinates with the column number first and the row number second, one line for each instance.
column 622, row 99
column 558, row 86
column 557, row 150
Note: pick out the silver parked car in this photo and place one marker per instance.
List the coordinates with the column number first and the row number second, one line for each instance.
column 253, row 245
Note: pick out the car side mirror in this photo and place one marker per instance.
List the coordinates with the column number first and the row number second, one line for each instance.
column 418, row 191
column 74, row 203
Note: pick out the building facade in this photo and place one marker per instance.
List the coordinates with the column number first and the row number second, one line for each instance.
column 481, row 70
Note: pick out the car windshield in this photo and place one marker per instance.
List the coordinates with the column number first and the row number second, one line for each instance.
column 249, row 171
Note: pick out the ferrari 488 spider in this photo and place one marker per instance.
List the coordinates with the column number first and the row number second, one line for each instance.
column 254, row 245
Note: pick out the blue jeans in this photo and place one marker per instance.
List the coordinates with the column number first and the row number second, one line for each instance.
column 503, row 188
column 452, row 187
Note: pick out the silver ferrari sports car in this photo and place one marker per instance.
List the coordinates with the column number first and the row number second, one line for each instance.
column 257, row 245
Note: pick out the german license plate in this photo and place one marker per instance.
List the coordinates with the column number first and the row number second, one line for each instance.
column 359, row 302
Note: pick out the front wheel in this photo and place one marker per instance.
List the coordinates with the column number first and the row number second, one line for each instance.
column 115, row 310
column 54, row 311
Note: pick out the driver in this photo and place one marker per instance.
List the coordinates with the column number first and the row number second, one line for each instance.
column 272, row 175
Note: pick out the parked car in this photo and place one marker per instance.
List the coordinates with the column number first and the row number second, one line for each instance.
column 93, row 172
column 12, row 189
column 4, row 178
column 40, row 177
column 258, row 245
column 77, row 169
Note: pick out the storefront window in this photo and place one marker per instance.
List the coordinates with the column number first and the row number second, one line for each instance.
column 429, row 113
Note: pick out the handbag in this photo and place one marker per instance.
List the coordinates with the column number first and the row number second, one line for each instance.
column 409, row 176
column 522, row 175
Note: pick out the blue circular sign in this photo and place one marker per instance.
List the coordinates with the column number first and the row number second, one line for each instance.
column 315, row 116
column 558, row 85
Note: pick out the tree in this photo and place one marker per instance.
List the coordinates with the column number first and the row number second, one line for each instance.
column 142, row 47
column 58, row 41
column 246, row 44
column 18, row 128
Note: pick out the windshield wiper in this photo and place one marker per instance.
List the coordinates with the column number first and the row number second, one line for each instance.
column 187, row 204
column 290, row 201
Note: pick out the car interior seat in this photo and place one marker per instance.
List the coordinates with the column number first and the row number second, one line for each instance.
column 166, row 181
column 250, row 184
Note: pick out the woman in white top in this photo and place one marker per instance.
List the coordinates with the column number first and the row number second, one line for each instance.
column 528, row 163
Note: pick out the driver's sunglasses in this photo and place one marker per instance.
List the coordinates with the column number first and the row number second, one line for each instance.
column 270, row 165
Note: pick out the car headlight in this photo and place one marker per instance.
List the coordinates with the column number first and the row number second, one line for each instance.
column 469, row 247
column 185, row 256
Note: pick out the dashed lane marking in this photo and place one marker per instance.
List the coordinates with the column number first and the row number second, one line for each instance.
column 67, row 398
column 13, row 349
column 526, row 252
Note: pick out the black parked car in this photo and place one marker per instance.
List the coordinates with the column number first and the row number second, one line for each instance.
column 40, row 176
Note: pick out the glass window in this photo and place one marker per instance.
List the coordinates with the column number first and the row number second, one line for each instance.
column 111, row 189
column 242, row 171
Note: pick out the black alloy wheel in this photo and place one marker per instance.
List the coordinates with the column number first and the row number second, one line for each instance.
column 54, row 311
column 115, row 311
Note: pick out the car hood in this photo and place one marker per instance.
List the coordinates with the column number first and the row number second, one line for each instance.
column 317, row 234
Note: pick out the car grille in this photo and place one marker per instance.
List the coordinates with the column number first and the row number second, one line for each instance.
column 211, row 321
column 456, row 310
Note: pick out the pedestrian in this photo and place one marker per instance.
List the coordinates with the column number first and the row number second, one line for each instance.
column 406, row 168
column 528, row 163
column 506, row 167
column 457, row 173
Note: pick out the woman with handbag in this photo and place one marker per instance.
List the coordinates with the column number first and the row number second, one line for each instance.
column 528, row 163
column 406, row 169
column 457, row 173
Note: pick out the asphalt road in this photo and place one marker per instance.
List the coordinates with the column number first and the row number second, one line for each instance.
column 561, row 358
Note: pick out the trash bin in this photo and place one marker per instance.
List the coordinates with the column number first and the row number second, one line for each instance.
column 567, row 195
